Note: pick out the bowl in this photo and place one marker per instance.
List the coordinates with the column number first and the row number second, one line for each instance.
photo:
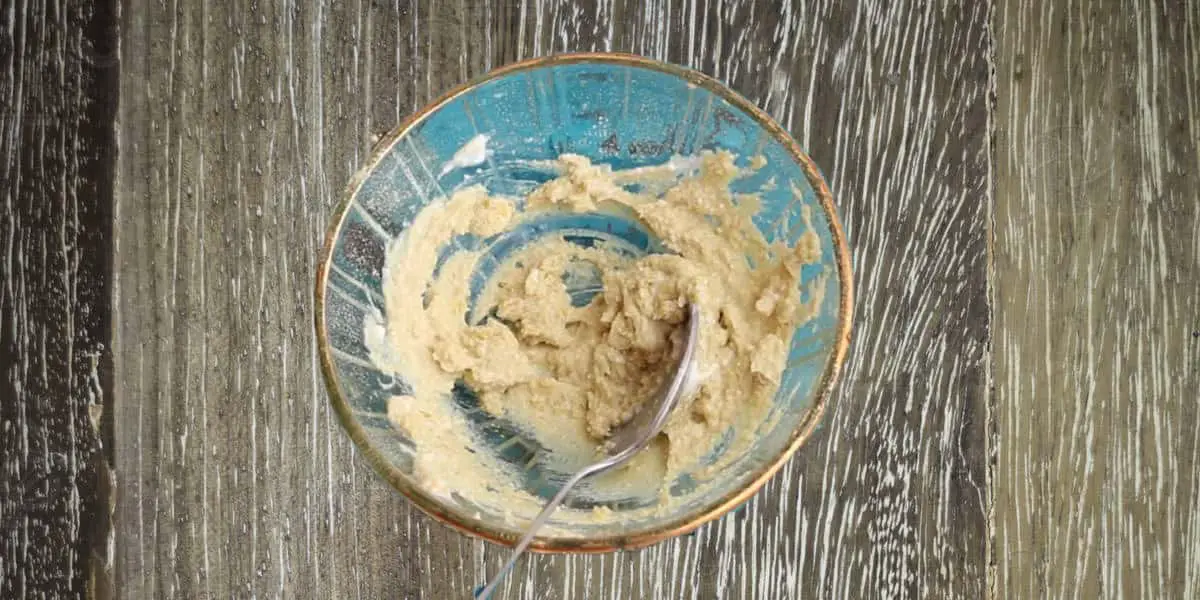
column 621, row 110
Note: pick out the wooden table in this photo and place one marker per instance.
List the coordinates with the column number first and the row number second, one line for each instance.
column 1019, row 181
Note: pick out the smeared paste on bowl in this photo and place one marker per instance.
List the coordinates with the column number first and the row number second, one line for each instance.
column 572, row 372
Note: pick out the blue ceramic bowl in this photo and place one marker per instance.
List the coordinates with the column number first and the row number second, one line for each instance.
column 622, row 110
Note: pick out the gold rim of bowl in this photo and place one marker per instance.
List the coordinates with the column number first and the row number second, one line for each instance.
column 482, row 529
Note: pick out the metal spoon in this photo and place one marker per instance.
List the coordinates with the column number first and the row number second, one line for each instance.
column 625, row 441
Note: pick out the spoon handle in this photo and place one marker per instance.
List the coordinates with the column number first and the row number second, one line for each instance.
column 537, row 523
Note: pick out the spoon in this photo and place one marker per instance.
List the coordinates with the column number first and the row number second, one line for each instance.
column 625, row 441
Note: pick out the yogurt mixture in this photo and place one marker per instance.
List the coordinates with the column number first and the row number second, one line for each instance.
column 571, row 371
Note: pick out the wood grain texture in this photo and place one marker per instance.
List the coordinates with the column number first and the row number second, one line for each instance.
column 1097, row 287
column 241, row 121
column 57, row 103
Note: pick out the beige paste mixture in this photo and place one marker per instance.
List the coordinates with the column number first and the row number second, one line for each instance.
column 574, row 373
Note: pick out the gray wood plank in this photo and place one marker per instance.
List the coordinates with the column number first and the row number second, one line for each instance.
column 58, row 74
column 1097, row 287
column 240, row 123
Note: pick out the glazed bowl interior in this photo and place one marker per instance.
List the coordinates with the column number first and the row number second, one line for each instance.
column 622, row 111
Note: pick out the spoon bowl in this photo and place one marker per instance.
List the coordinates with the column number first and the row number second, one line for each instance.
column 626, row 440
column 619, row 110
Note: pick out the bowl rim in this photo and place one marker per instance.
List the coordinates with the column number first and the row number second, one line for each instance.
column 472, row 526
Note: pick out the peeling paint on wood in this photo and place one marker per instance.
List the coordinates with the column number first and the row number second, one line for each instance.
column 240, row 124
column 57, row 101
column 1097, row 287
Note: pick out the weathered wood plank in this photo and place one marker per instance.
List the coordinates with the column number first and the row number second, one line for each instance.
column 57, row 104
column 1097, row 287
column 240, row 123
